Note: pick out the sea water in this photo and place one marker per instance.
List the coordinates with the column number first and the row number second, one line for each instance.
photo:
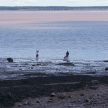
column 87, row 43
column 83, row 40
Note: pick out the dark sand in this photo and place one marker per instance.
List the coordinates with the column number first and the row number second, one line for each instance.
column 52, row 91
column 89, row 97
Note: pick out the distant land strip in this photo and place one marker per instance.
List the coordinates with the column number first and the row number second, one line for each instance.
column 45, row 8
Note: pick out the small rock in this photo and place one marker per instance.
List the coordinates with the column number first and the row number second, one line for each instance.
column 10, row 60
column 105, row 61
column 37, row 101
column 79, row 100
column 62, row 96
column 31, row 67
column 87, row 100
column 69, row 96
column 53, row 95
column 20, row 69
column 26, row 103
column 50, row 100
column 98, row 95
column 81, row 94
column 66, row 64
column 106, row 68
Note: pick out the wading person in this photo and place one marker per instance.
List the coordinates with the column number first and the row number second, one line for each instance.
column 66, row 57
column 37, row 56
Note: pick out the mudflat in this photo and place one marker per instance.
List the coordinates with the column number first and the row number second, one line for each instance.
column 55, row 90
column 94, row 97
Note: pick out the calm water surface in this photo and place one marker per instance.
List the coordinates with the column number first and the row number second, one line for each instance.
column 84, row 40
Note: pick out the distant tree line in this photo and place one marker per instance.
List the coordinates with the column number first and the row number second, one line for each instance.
column 39, row 8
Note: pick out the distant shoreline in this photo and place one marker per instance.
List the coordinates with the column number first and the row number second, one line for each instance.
column 52, row 8
column 26, row 18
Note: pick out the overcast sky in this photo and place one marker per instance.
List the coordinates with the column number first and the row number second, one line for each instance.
column 54, row 2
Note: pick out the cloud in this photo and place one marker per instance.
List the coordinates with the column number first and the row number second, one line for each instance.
column 54, row 2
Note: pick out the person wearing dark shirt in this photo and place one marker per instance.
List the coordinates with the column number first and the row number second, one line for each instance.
column 37, row 55
column 67, row 54
column 66, row 58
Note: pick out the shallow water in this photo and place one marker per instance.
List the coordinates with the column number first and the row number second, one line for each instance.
column 22, row 68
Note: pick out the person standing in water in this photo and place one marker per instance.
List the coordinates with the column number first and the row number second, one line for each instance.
column 37, row 55
column 66, row 58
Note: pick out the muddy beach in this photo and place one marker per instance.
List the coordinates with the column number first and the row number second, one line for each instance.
column 93, row 97
column 14, row 92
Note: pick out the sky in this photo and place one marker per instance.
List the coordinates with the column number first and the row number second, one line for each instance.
column 53, row 2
